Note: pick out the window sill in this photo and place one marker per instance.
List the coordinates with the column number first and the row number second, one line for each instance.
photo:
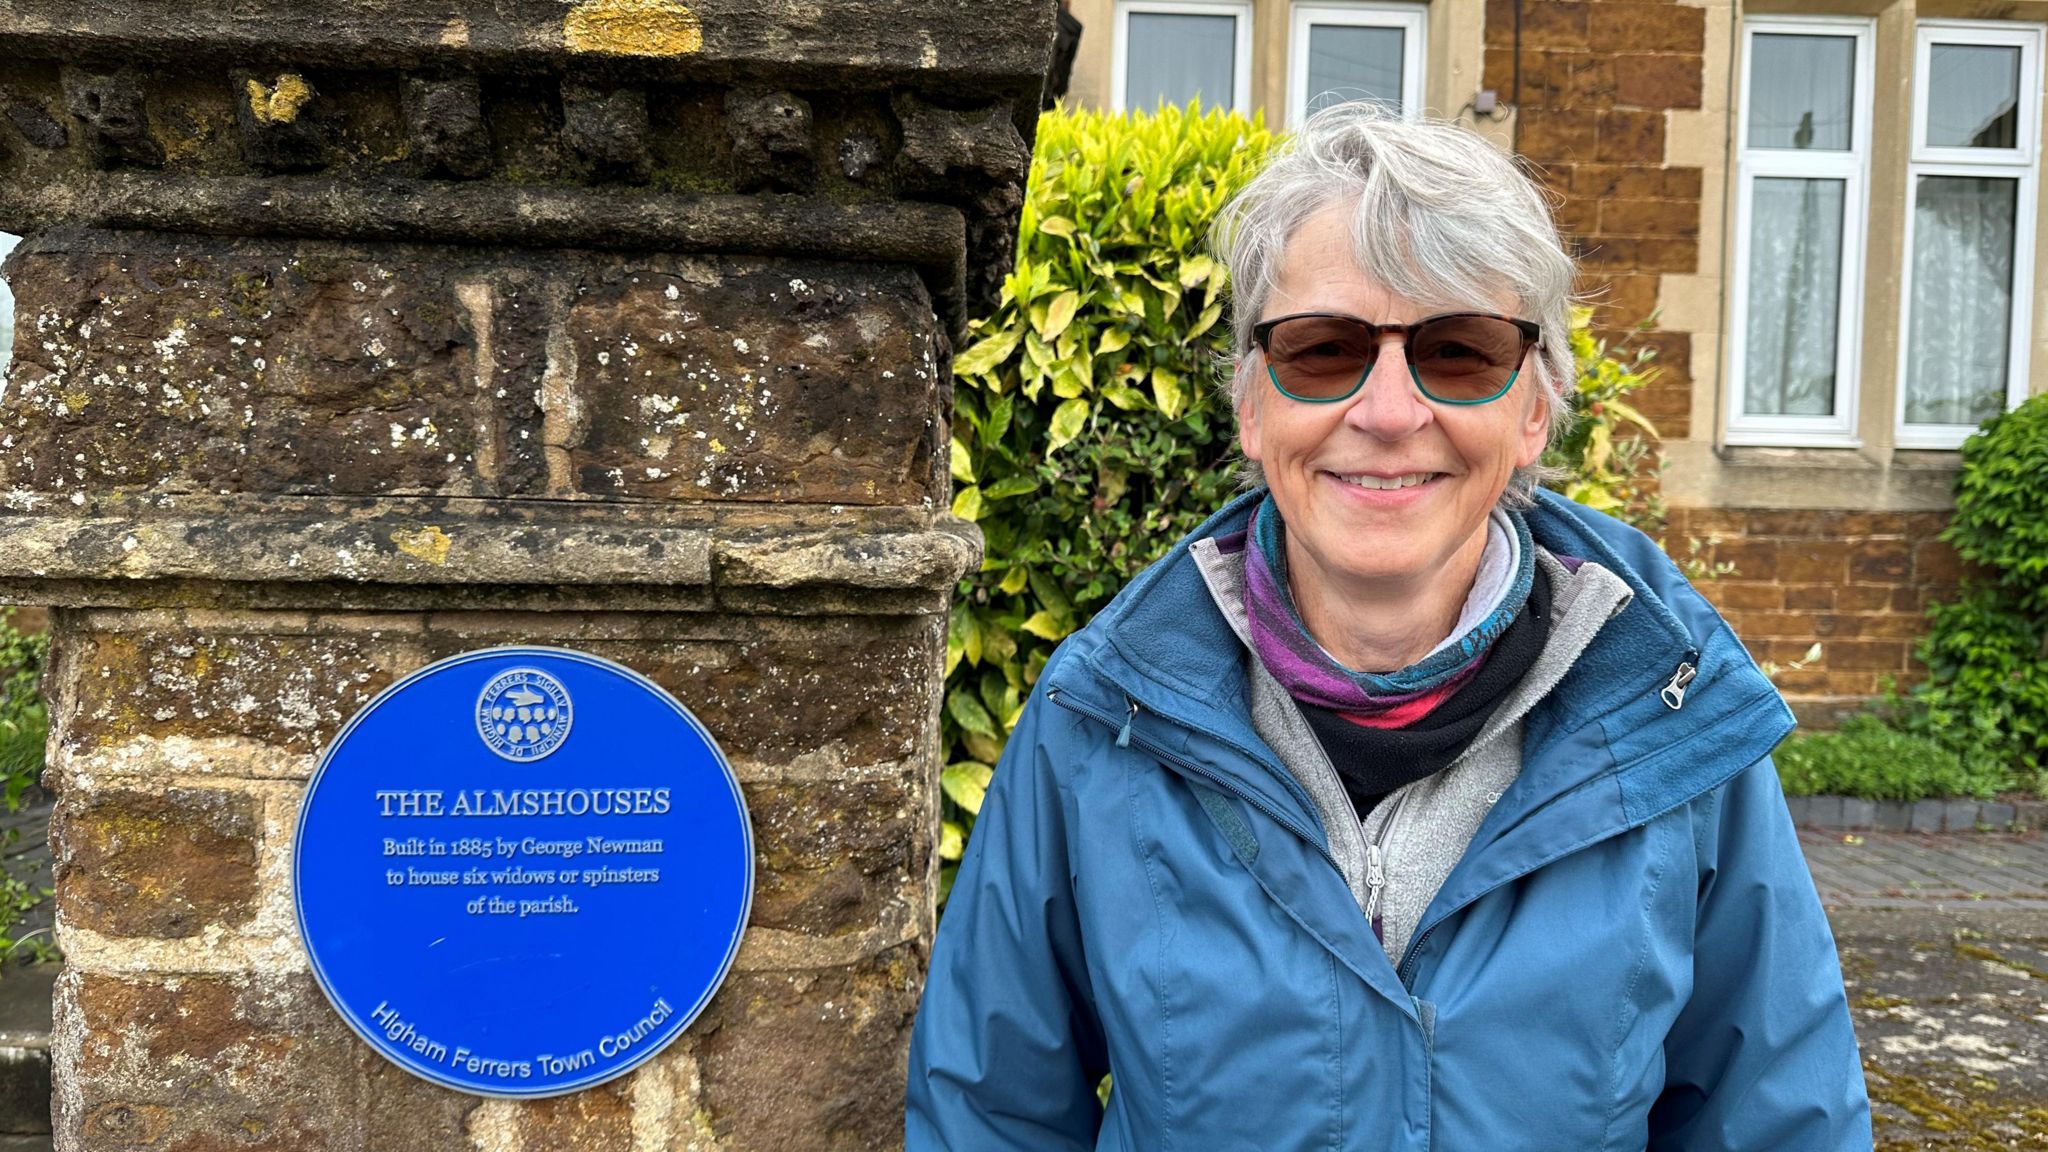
column 1696, row 476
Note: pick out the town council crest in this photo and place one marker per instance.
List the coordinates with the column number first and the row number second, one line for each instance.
column 523, row 714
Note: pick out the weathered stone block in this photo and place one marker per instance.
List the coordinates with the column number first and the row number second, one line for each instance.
column 771, row 140
column 942, row 147
column 810, row 1060
column 111, row 108
column 278, row 127
column 835, row 857
column 597, row 1120
column 758, row 385
column 206, row 1063
column 608, row 130
column 164, row 864
column 316, row 368
column 289, row 691
column 444, row 125
column 858, row 692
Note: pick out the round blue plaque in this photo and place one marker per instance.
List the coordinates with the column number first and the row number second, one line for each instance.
column 522, row 871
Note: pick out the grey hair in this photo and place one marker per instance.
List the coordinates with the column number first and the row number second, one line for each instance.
column 1442, row 218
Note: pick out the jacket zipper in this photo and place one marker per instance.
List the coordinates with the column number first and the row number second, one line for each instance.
column 1673, row 695
column 1376, row 866
column 1673, row 692
column 1126, row 738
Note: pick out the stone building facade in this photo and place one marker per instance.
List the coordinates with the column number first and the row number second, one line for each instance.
column 1779, row 192
column 355, row 335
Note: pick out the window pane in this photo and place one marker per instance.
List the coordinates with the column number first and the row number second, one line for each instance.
column 1351, row 63
column 1801, row 90
column 1973, row 96
column 1174, row 59
column 1959, row 336
column 1795, row 284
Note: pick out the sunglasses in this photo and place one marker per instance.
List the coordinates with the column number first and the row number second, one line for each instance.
column 1456, row 358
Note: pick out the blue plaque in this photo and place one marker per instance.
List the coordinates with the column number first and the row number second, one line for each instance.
column 522, row 871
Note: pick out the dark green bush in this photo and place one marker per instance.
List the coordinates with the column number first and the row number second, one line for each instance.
column 1870, row 759
column 2001, row 520
column 1986, row 692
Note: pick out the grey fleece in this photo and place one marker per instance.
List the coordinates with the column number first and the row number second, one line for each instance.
column 1422, row 829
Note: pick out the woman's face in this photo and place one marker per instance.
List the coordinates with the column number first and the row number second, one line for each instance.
column 1376, row 544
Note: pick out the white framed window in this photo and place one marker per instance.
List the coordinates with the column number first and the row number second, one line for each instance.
column 1971, row 184
column 1803, row 161
column 1340, row 51
column 1173, row 51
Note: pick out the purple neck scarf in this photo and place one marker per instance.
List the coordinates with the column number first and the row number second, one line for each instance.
column 1312, row 676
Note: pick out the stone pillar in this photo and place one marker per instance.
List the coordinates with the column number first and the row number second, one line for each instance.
column 354, row 335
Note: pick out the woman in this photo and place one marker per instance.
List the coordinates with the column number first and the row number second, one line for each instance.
column 1402, row 805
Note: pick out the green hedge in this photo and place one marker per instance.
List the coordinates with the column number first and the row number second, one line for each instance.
column 1986, row 692
column 1090, row 430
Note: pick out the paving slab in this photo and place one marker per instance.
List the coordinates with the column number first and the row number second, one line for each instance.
column 1951, row 1012
column 1906, row 869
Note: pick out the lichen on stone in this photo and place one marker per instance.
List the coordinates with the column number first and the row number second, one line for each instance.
column 633, row 28
column 279, row 103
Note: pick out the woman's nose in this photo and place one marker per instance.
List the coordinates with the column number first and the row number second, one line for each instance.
column 1388, row 406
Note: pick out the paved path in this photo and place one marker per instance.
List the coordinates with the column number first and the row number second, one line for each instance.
column 1912, row 869
column 1944, row 949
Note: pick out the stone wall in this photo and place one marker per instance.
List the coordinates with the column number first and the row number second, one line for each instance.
column 1597, row 80
column 1857, row 583
column 351, row 338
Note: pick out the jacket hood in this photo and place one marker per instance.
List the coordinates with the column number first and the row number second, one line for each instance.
column 1162, row 660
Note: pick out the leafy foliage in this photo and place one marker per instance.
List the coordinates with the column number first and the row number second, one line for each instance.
column 1086, row 437
column 1602, row 464
column 1986, row 692
column 2001, row 520
column 1089, row 433
column 24, row 726
column 1867, row 758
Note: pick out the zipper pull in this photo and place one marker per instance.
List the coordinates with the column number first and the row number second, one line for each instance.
column 1674, row 692
column 1375, row 880
column 1123, row 735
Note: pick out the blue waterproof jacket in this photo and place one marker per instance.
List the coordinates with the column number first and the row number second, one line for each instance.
column 1629, row 955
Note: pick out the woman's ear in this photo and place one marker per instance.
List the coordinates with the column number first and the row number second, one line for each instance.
column 1247, row 405
column 1535, row 427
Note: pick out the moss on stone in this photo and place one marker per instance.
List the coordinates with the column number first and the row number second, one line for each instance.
column 1979, row 952
column 676, row 178
column 1958, row 1113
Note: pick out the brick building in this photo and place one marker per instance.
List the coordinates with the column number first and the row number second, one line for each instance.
column 1825, row 211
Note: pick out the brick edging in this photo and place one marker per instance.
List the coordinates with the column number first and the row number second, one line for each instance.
column 1850, row 814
